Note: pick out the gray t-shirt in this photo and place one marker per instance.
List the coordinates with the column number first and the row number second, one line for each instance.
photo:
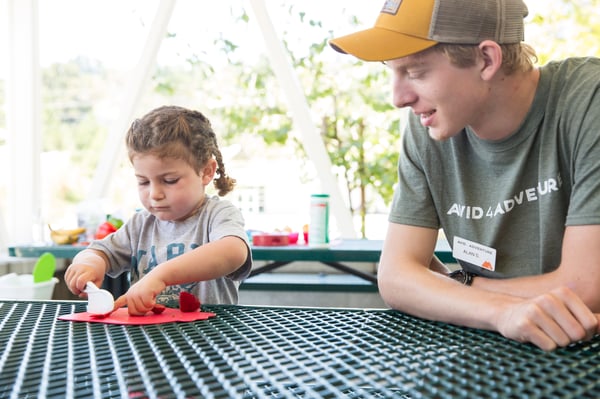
column 144, row 242
column 515, row 195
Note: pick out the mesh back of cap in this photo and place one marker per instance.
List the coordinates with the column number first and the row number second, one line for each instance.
column 472, row 21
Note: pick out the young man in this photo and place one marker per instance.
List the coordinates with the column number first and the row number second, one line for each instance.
column 501, row 155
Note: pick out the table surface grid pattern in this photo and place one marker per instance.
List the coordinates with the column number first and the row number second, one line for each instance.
column 257, row 352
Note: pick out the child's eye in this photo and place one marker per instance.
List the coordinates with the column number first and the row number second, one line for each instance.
column 143, row 182
column 171, row 181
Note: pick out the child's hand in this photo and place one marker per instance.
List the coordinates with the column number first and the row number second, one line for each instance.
column 88, row 265
column 141, row 297
column 77, row 276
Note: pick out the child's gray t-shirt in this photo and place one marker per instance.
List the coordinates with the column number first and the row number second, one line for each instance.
column 145, row 242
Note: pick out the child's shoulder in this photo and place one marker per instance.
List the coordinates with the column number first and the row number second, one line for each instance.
column 216, row 202
column 217, row 205
column 139, row 218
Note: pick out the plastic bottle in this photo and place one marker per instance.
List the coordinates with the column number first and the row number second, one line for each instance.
column 318, row 228
column 90, row 214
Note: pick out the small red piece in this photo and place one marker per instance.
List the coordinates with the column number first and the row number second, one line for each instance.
column 188, row 302
column 158, row 309
column 104, row 229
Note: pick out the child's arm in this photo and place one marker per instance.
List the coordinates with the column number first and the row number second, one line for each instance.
column 88, row 265
column 207, row 262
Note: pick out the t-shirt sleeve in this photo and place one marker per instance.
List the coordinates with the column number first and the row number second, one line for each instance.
column 412, row 203
column 583, row 121
column 227, row 220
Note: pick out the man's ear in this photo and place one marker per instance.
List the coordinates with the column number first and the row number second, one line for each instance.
column 491, row 59
column 208, row 171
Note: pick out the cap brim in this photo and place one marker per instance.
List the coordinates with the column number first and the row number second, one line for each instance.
column 376, row 44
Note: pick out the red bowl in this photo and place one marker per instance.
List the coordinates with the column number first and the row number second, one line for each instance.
column 293, row 238
column 270, row 240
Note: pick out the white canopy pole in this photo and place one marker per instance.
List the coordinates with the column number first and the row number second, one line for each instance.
column 303, row 120
column 23, row 121
column 114, row 148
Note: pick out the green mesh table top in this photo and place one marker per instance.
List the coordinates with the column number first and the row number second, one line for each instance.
column 260, row 352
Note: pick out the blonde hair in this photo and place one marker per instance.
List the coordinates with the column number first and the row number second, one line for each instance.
column 516, row 57
column 180, row 133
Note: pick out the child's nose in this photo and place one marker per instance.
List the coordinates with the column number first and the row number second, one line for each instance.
column 156, row 192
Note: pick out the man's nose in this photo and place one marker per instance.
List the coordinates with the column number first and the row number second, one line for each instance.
column 403, row 95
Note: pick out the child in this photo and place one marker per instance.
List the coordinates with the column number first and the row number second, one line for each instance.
column 183, row 240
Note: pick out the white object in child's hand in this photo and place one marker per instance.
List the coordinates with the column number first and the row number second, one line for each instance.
column 100, row 302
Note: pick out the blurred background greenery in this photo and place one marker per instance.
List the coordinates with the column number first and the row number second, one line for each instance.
column 213, row 60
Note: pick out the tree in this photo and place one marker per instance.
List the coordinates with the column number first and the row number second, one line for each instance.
column 349, row 99
column 567, row 28
column 349, row 102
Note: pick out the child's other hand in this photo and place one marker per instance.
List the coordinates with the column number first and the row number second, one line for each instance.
column 78, row 275
column 141, row 297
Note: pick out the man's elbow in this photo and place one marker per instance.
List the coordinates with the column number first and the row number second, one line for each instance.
column 386, row 287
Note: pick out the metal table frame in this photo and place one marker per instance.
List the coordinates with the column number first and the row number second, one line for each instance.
column 275, row 352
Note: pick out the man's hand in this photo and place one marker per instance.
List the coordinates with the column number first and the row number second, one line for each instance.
column 551, row 320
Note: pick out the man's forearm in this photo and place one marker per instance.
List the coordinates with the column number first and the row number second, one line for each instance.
column 523, row 287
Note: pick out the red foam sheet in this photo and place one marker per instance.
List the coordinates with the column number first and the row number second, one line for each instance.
column 121, row 316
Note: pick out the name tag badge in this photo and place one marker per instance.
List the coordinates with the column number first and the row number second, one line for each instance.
column 474, row 253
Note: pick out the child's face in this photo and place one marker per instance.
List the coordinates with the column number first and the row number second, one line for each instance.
column 169, row 188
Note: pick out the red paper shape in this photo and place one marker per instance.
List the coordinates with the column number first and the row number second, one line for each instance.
column 121, row 316
column 158, row 308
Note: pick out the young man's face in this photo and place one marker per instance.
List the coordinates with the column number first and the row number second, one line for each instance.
column 169, row 188
column 445, row 97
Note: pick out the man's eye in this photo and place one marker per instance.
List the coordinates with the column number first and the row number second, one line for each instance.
column 414, row 74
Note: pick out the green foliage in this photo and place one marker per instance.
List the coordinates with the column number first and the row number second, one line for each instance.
column 359, row 126
column 69, row 119
column 258, row 112
column 349, row 100
column 566, row 28
column 349, row 103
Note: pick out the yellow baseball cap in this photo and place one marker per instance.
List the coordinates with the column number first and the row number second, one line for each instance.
column 405, row 27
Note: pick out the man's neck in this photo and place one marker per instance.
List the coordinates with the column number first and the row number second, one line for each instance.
column 510, row 101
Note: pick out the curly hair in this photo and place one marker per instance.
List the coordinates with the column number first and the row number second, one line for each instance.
column 517, row 57
column 180, row 133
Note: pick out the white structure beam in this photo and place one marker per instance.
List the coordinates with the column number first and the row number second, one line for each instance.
column 140, row 77
column 302, row 118
column 24, row 137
